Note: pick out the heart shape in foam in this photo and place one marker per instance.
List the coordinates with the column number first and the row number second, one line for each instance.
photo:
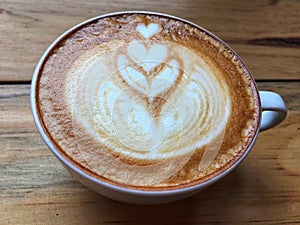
column 147, row 58
column 148, row 31
column 161, row 82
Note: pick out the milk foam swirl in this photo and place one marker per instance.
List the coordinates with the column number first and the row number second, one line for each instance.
column 149, row 100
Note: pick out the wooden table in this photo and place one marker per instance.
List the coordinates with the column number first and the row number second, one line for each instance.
column 264, row 189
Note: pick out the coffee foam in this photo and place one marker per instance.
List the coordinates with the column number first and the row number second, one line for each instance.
column 139, row 110
column 148, row 116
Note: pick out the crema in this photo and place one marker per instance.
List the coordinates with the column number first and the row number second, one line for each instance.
column 147, row 101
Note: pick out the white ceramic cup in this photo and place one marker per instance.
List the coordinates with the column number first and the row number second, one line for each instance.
column 273, row 111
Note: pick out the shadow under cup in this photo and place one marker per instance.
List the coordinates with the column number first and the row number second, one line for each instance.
column 137, row 193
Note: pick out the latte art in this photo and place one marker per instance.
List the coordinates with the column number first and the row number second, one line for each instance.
column 149, row 100
column 147, row 110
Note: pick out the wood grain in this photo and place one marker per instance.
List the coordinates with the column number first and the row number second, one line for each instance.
column 36, row 189
column 265, row 33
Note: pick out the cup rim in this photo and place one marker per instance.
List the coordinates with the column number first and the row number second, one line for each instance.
column 125, row 188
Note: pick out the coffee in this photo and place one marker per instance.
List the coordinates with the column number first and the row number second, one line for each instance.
column 147, row 101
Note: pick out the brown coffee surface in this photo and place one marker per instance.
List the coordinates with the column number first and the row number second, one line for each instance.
column 147, row 101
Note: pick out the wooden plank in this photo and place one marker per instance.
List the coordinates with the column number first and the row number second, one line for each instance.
column 265, row 33
column 36, row 189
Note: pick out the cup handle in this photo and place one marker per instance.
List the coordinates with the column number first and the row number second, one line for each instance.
column 273, row 110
